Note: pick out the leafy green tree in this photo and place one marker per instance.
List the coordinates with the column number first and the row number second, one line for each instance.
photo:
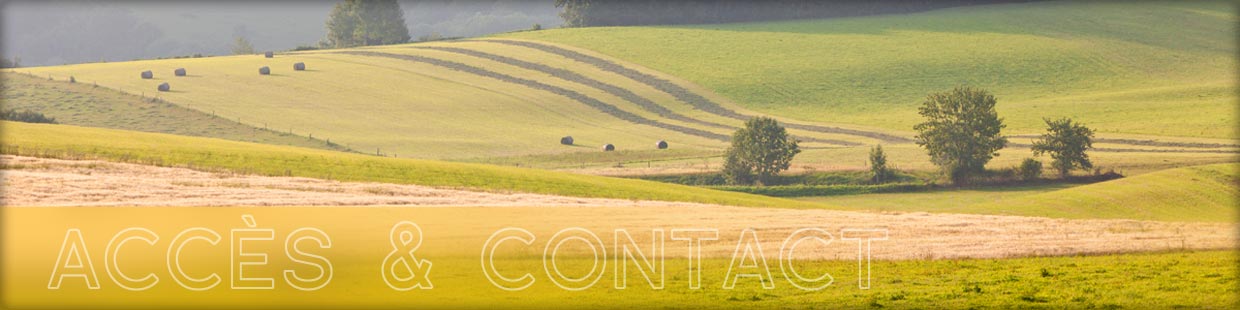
column 878, row 166
column 1066, row 141
column 759, row 152
column 573, row 12
column 341, row 23
column 961, row 131
column 241, row 46
column 366, row 22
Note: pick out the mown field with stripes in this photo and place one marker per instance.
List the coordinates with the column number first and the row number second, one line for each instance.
column 507, row 101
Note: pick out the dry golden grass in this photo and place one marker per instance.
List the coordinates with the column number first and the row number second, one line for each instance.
column 47, row 182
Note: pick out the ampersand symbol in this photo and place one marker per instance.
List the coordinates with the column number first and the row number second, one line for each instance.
column 406, row 237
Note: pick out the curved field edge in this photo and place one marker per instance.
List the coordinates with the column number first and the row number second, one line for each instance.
column 1192, row 194
column 62, row 141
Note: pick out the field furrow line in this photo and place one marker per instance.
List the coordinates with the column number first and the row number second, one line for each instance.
column 608, row 88
column 574, row 77
column 575, row 96
column 693, row 99
column 1139, row 142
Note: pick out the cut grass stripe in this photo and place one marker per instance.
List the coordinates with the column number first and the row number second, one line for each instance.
column 697, row 101
column 576, row 96
column 608, row 88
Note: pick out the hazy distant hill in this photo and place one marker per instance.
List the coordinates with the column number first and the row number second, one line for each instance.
column 62, row 32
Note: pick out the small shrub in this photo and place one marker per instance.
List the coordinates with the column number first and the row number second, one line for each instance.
column 878, row 166
column 26, row 117
column 1030, row 169
column 536, row 27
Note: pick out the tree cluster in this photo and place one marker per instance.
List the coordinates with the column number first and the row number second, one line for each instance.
column 366, row 22
column 7, row 63
column 961, row 133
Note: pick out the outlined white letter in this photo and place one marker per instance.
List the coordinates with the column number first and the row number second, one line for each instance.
column 785, row 258
column 752, row 250
column 76, row 264
column 596, row 246
column 695, row 237
column 111, row 262
column 488, row 259
column 627, row 248
column 319, row 262
column 863, row 237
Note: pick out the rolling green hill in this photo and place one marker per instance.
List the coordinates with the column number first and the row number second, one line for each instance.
column 1154, row 79
column 1202, row 193
column 444, row 101
column 1154, row 68
column 1192, row 194
column 72, row 142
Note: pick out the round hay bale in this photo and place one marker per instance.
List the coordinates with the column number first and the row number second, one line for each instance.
column 269, row 54
column 179, row 72
column 164, row 87
column 608, row 147
column 148, row 75
column 662, row 145
column 566, row 140
column 301, row 66
column 264, row 70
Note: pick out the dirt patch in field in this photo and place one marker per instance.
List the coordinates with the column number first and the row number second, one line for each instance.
column 30, row 181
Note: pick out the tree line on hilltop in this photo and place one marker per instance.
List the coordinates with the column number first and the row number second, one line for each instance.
column 591, row 13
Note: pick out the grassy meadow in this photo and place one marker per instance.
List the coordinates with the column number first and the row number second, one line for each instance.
column 1191, row 194
column 1153, row 68
column 454, row 237
column 1156, row 80
column 72, row 142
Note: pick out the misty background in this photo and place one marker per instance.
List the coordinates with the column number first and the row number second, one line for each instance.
column 42, row 33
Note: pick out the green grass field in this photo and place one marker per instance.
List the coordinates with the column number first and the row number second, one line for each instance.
column 1193, row 194
column 852, row 82
column 62, row 141
column 1155, row 68
column 411, row 109
column 1188, row 279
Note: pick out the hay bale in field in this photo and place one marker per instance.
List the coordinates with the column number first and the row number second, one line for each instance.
column 164, row 87
column 662, row 145
column 269, row 55
column 301, row 66
column 566, row 140
column 608, row 147
column 179, row 72
column 148, row 74
column 264, row 71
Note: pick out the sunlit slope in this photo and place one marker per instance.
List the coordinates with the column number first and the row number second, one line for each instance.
column 1138, row 68
column 1199, row 193
column 86, row 105
column 73, row 142
column 449, row 100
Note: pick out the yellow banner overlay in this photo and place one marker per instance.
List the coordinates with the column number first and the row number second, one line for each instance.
column 389, row 257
